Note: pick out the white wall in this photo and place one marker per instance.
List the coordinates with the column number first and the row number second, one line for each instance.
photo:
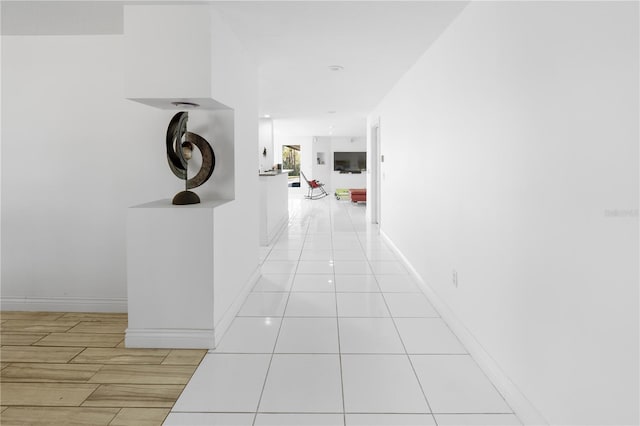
column 234, row 82
column 265, row 141
column 322, row 172
column 76, row 155
column 80, row 154
column 509, row 147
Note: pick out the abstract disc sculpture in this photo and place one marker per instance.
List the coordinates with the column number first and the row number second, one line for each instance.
column 180, row 145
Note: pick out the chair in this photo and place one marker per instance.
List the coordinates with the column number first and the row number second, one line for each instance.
column 316, row 189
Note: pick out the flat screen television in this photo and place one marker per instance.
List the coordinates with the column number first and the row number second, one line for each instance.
column 349, row 162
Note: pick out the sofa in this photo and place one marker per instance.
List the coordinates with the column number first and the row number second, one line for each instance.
column 358, row 195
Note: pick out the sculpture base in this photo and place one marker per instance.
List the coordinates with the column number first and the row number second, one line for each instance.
column 185, row 197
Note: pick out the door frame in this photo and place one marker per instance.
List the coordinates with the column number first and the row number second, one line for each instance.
column 376, row 167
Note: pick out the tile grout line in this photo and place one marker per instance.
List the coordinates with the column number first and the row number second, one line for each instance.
column 415, row 374
column 335, row 289
column 266, row 376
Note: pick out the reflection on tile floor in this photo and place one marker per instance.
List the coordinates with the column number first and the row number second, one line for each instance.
column 336, row 332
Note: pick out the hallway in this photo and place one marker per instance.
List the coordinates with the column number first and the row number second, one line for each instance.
column 337, row 333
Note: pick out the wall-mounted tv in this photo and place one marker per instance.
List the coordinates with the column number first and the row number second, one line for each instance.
column 349, row 162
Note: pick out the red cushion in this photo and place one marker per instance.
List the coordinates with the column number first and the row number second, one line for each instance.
column 358, row 195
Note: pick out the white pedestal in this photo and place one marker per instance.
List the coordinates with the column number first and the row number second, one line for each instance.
column 274, row 206
column 170, row 275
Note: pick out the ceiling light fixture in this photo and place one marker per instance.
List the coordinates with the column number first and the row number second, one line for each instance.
column 267, row 116
column 336, row 67
column 331, row 112
column 181, row 104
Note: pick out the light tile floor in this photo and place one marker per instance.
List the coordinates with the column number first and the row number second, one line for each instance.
column 336, row 332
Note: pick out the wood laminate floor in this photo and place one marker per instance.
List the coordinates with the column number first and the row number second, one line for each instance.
column 73, row 369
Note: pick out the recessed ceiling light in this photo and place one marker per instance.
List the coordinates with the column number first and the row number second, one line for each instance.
column 181, row 104
column 336, row 67
column 267, row 116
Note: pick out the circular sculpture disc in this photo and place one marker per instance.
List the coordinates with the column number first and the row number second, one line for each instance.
column 208, row 160
column 176, row 132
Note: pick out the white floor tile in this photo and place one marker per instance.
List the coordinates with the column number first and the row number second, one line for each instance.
column 319, row 228
column 225, row 383
column 381, row 384
column 379, row 254
column 318, row 245
column 409, row 305
column 397, row 284
column 264, row 251
column 318, row 238
column 356, row 284
column 317, row 255
column 330, row 284
column 428, row 336
column 278, row 255
column 299, row 420
column 208, row 419
column 375, row 244
column 274, row 282
column 264, row 305
column 385, row 267
column 250, row 335
column 288, row 244
column 278, row 267
column 311, row 305
column 347, row 245
column 477, row 420
column 361, row 305
column 297, row 229
column 369, row 335
column 303, row 384
column 352, row 255
column 352, row 267
column 315, row 267
column 314, row 282
column 290, row 234
column 390, row 420
column 345, row 237
column 455, row 384
column 308, row 335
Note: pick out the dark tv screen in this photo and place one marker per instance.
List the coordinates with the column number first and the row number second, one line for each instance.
column 349, row 162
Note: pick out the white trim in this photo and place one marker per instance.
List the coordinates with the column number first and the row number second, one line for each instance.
column 522, row 407
column 169, row 338
column 63, row 304
column 276, row 231
column 224, row 323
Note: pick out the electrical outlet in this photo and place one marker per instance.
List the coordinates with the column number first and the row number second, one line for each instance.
column 455, row 278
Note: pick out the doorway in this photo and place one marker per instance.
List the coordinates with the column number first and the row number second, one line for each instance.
column 291, row 162
column 376, row 172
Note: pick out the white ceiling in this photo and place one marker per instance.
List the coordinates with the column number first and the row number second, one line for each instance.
column 294, row 42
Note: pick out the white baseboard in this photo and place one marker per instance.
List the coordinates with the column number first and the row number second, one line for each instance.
column 271, row 236
column 169, row 338
column 224, row 323
column 521, row 406
column 63, row 304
